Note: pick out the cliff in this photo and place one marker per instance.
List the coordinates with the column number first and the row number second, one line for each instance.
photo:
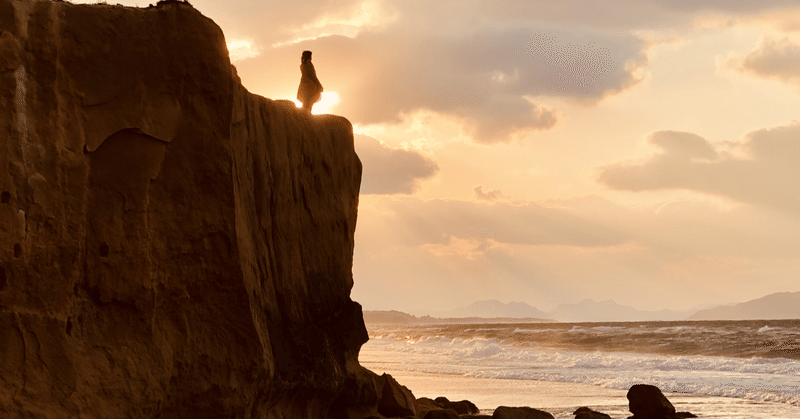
column 170, row 244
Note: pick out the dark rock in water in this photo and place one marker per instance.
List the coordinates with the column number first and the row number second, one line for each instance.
column 586, row 413
column 442, row 414
column 396, row 401
column 648, row 402
column 504, row 412
column 463, row 407
column 682, row 415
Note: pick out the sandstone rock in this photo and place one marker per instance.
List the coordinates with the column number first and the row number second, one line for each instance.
column 648, row 402
column 586, row 413
column 463, row 407
column 424, row 405
column 396, row 400
column 170, row 244
column 442, row 414
column 504, row 412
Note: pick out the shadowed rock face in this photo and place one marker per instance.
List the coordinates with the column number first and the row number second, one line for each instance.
column 648, row 402
column 170, row 244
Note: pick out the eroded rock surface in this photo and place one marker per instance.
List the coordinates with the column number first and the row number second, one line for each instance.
column 505, row 412
column 170, row 244
column 647, row 401
column 587, row 413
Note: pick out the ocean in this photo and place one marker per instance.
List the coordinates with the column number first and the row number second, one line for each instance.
column 715, row 369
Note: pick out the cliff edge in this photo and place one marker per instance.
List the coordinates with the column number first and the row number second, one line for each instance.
column 170, row 244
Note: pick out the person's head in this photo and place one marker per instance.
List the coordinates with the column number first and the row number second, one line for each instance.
column 306, row 57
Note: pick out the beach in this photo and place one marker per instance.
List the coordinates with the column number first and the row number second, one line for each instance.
column 498, row 365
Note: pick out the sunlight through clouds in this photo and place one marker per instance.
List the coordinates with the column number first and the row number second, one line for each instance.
column 240, row 49
column 530, row 126
column 346, row 23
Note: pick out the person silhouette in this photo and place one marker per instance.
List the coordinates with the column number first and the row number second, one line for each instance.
column 310, row 90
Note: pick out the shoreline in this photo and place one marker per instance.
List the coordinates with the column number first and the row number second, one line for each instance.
column 562, row 399
column 489, row 393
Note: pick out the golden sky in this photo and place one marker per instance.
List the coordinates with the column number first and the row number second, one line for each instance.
column 645, row 151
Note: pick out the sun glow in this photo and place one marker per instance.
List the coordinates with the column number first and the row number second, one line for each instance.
column 240, row 49
column 328, row 100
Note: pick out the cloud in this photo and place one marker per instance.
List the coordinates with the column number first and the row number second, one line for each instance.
column 773, row 58
column 683, row 144
column 437, row 221
column 486, row 78
column 492, row 195
column 769, row 175
column 489, row 66
column 240, row 49
column 582, row 65
column 391, row 171
column 489, row 76
column 272, row 23
column 431, row 253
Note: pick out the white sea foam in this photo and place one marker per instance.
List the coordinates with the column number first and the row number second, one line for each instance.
column 757, row 379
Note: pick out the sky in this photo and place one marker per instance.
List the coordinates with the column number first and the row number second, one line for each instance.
column 644, row 151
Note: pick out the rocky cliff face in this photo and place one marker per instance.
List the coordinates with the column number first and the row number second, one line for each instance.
column 170, row 244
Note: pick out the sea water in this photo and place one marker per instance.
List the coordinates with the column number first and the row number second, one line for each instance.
column 719, row 369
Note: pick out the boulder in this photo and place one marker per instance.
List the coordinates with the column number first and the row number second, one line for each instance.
column 424, row 405
column 504, row 412
column 463, row 407
column 586, row 413
column 648, row 402
column 396, row 400
column 442, row 414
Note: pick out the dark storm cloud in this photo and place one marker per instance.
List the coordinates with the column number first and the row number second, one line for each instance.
column 391, row 171
column 769, row 176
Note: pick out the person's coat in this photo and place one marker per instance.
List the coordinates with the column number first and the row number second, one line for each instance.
column 310, row 90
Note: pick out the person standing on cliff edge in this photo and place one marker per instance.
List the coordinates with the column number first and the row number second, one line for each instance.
column 310, row 90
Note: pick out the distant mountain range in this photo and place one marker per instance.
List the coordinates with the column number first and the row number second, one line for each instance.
column 492, row 308
column 586, row 310
column 609, row 311
column 398, row 317
column 782, row 305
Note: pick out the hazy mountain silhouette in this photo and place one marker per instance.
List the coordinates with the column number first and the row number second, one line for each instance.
column 604, row 311
column 584, row 311
column 493, row 309
column 781, row 305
